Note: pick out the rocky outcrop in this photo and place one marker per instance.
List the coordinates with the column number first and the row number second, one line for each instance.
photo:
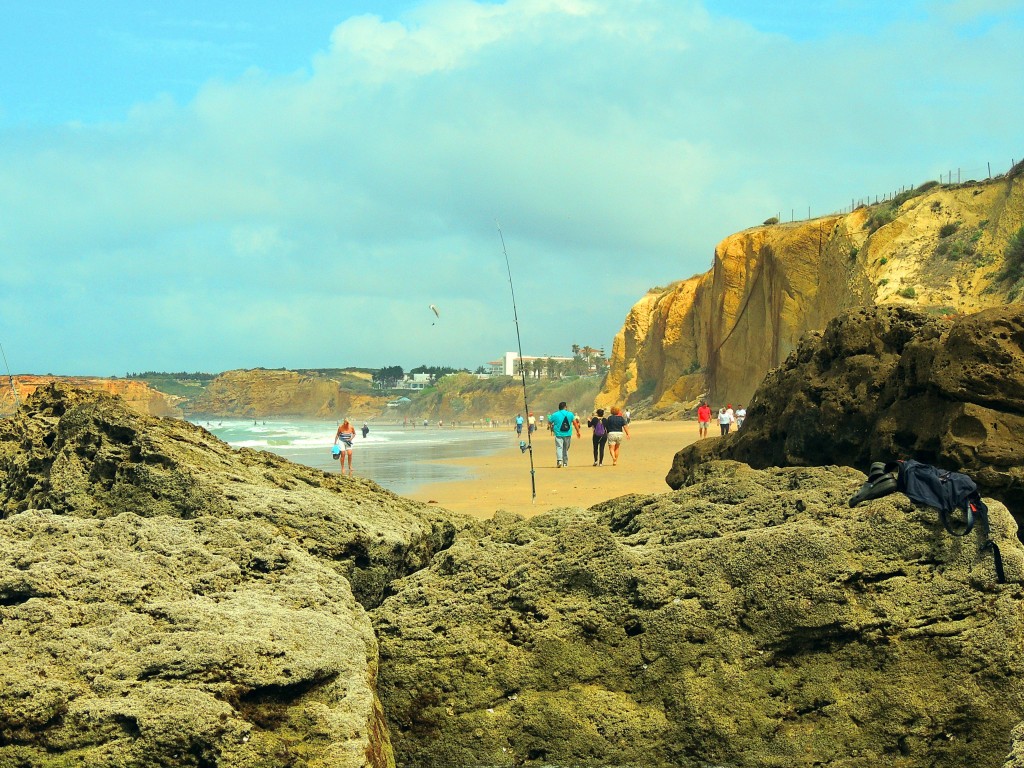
column 892, row 382
column 136, row 394
column 718, row 334
column 159, row 641
column 166, row 600
column 268, row 394
column 749, row 619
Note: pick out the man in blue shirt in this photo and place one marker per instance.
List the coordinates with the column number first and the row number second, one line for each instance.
column 562, row 422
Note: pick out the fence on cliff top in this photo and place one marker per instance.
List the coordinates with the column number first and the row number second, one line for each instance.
column 962, row 175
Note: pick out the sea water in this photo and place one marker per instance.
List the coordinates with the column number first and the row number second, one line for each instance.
column 398, row 457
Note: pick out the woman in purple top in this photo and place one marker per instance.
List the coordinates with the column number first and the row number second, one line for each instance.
column 597, row 423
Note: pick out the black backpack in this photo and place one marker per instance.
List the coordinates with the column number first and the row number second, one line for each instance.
column 566, row 425
column 948, row 492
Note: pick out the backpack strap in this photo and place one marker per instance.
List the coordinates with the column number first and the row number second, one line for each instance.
column 961, row 530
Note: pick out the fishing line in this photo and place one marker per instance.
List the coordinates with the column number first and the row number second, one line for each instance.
column 527, row 446
column 10, row 379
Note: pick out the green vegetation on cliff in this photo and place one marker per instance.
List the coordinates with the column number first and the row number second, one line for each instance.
column 462, row 396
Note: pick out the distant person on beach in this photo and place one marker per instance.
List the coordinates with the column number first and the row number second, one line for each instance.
column 561, row 423
column 703, row 418
column 741, row 416
column 531, row 421
column 724, row 419
column 366, row 431
column 616, row 424
column 600, row 438
column 345, row 436
column 519, row 425
column 626, row 416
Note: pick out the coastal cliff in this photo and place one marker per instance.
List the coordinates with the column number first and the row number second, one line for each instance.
column 940, row 248
column 262, row 393
column 136, row 394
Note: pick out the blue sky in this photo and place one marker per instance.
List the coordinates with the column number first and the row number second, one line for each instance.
column 207, row 186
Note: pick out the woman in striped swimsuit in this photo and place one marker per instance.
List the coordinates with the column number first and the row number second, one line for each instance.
column 346, row 434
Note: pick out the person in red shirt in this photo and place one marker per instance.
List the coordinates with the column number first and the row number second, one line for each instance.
column 703, row 418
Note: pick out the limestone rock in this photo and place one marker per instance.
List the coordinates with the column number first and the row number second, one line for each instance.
column 88, row 455
column 887, row 383
column 159, row 641
column 718, row 334
column 748, row 619
column 168, row 601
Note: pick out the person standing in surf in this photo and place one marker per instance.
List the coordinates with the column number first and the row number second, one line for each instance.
column 345, row 436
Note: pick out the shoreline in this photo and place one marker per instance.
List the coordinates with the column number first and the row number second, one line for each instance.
column 501, row 480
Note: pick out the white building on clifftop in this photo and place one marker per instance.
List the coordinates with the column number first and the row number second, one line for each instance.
column 509, row 365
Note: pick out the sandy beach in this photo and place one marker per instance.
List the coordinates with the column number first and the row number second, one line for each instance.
column 502, row 480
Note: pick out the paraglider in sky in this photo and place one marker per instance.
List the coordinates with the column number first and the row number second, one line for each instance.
column 435, row 311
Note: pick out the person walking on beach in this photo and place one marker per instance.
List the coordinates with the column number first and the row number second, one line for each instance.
column 724, row 420
column 617, row 427
column 703, row 418
column 345, row 435
column 561, row 423
column 597, row 423
column 519, row 425
column 366, row 430
column 531, row 422
column 741, row 416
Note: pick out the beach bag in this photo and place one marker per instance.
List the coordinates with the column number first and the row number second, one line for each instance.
column 951, row 493
column 566, row 425
column 946, row 491
column 336, row 451
column 599, row 429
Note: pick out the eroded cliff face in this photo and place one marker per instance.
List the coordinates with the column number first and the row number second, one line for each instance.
column 136, row 394
column 718, row 333
column 261, row 393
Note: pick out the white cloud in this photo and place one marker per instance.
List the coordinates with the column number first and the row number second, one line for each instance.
column 616, row 143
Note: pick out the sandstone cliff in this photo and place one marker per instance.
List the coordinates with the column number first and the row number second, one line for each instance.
column 136, row 394
column 463, row 397
column 262, row 393
column 717, row 334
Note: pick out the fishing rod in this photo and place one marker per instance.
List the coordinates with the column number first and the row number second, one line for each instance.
column 527, row 445
column 10, row 379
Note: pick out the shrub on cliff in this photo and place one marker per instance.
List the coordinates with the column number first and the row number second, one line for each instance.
column 1013, row 268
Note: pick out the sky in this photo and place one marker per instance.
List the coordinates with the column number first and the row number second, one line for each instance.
column 198, row 186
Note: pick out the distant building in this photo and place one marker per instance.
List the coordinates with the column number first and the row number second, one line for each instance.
column 416, row 381
column 510, row 363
